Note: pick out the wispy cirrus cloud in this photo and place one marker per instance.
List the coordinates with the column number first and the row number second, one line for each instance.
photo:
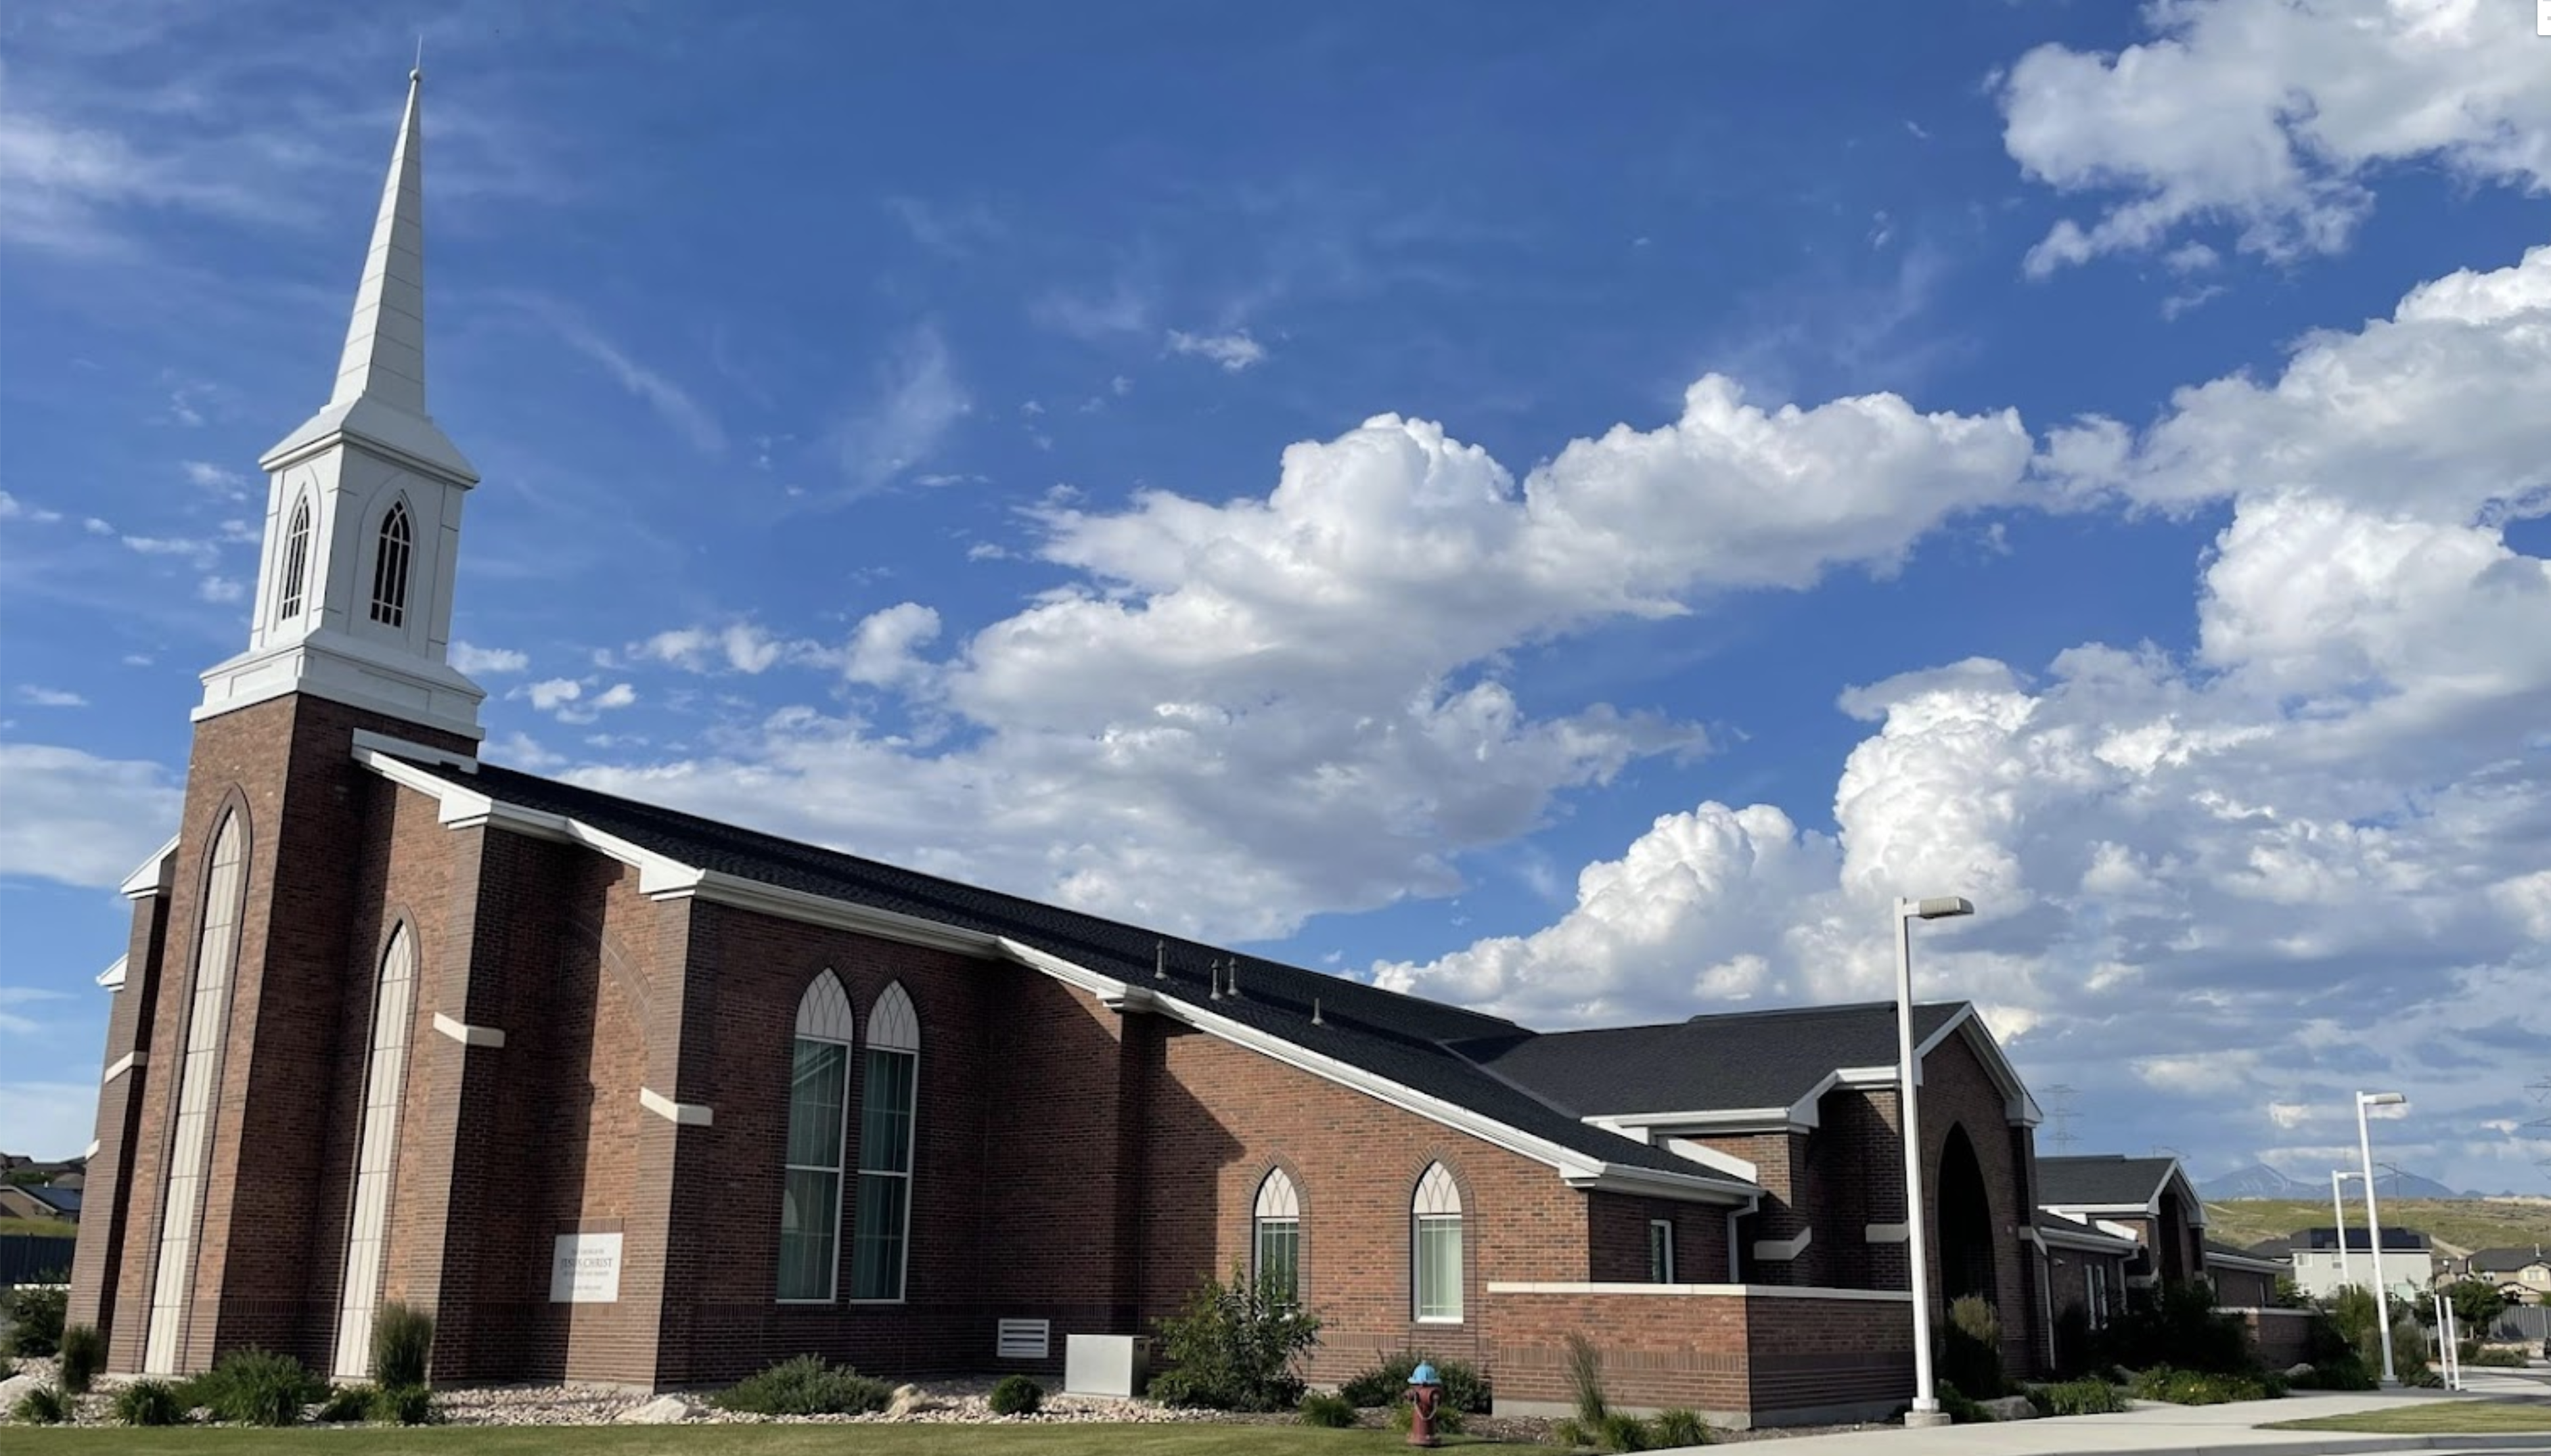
column 916, row 400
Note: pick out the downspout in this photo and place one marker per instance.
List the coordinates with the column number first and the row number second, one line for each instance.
column 1735, row 1270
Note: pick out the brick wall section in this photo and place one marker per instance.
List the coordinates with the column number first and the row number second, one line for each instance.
column 2282, row 1337
column 97, row 1260
column 288, row 766
column 1617, row 1234
column 1756, row 1360
column 2242, row 1288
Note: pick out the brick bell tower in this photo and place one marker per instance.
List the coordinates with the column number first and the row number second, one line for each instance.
column 229, row 1047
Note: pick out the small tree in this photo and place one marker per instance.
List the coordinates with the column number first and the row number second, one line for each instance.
column 2477, row 1305
column 1970, row 1353
column 1233, row 1347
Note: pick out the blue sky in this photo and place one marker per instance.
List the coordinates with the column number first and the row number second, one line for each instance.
column 1566, row 510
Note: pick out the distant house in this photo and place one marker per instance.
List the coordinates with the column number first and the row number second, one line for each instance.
column 2520, row 1273
column 2147, row 1200
column 2408, row 1261
column 39, row 1201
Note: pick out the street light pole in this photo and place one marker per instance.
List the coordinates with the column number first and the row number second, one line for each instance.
column 2373, row 1223
column 1926, row 1403
column 2339, row 1212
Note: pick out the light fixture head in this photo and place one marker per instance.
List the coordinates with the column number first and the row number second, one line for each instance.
column 2380, row 1099
column 1937, row 908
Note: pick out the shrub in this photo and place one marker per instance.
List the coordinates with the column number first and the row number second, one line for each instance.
column 1387, row 1384
column 2080, row 1397
column 1623, row 1432
column 43, row 1405
column 2199, row 1386
column 401, row 1405
column 1960, row 1408
column 149, row 1402
column 2178, row 1327
column 402, row 1343
column 1233, row 1347
column 83, row 1356
column 347, row 1402
column 35, row 1313
column 1681, row 1427
column 1971, row 1355
column 805, row 1386
column 1335, row 1413
column 1568, row 1432
column 8, row 1366
column 1016, row 1395
column 1586, row 1383
column 1448, row 1421
column 2340, row 1372
column 253, row 1386
column 2497, row 1357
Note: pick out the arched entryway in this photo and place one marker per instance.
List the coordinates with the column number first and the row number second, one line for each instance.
column 1965, row 1222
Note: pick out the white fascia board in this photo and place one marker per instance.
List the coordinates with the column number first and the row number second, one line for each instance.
column 2031, row 1237
column 367, row 739
column 2078, row 1211
column 1645, row 1125
column 1710, row 1157
column 664, row 878
column 112, row 977
column 2017, row 1105
column 1870, row 1079
column 2087, row 1241
column 151, row 876
column 2120, row 1230
column 1703, row 1291
column 2244, row 1261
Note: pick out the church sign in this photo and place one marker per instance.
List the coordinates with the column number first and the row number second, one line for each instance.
column 584, row 1269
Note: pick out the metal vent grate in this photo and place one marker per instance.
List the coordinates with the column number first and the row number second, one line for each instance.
column 1025, row 1339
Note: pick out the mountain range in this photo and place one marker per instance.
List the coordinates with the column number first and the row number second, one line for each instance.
column 2259, row 1181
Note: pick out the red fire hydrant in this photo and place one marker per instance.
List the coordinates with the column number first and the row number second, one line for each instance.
column 1425, row 1392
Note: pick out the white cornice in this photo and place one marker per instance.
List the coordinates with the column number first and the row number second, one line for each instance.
column 466, row 1034
column 112, row 977
column 125, row 1063
column 664, row 878
column 366, row 738
column 153, row 875
column 1781, row 1251
column 680, row 1115
column 1884, row 1233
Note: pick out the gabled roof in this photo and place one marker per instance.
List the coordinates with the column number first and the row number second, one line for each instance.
column 2507, row 1260
column 1764, row 1062
column 2246, row 1259
column 2055, row 1228
column 62, row 1199
column 1396, row 1040
column 2102, row 1181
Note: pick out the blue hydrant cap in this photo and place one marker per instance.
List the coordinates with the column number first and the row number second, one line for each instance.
column 1423, row 1375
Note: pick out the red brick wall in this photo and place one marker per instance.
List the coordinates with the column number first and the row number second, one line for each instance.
column 1618, row 1229
column 97, row 1261
column 2281, row 1336
column 1759, row 1359
column 2242, row 1288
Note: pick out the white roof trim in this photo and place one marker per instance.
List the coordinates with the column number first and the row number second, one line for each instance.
column 152, row 874
column 1710, row 1157
column 1780, row 1251
column 664, row 878
column 1705, row 1290
column 2254, row 1265
column 680, row 1115
column 2085, row 1239
column 466, row 1034
column 112, row 977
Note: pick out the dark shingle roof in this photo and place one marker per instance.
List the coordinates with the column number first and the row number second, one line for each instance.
column 2099, row 1179
column 1396, row 1037
column 2507, row 1260
column 67, row 1200
column 2405, row 1239
column 1709, row 1064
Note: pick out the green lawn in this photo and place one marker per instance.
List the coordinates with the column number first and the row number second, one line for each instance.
column 42, row 1227
column 1059, row 1440
column 2466, row 1223
column 2439, row 1417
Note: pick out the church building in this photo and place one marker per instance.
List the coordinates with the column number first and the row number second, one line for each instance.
column 623, row 1095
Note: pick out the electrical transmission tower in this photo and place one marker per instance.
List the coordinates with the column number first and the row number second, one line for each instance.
column 2065, row 1137
column 2540, row 1127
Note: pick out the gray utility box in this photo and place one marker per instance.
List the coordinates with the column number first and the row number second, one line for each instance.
column 1106, row 1365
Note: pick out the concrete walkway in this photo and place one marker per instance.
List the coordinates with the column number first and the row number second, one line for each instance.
column 2184, row 1430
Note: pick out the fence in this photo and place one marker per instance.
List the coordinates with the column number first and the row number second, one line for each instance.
column 30, row 1258
column 2530, row 1323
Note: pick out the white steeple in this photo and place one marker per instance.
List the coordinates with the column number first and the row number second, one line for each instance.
column 354, row 599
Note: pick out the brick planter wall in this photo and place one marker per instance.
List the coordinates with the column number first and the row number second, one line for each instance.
column 1740, row 1355
column 2281, row 1336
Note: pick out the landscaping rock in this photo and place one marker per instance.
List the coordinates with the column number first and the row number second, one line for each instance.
column 908, row 1402
column 2010, row 1407
column 12, row 1388
column 2292, row 1372
column 662, row 1410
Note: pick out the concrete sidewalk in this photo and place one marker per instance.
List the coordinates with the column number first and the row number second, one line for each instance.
column 2184, row 1430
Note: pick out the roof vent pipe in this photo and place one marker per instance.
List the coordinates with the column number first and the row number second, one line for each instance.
column 1213, row 974
column 1315, row 1015
column 1159, row 960
column 1232, row 971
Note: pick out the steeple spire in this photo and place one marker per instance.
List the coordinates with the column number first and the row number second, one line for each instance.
column 384, row 353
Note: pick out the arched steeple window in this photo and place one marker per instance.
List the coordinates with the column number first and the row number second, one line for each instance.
column 819, row 1100
column 879, row 1238
column 1275, row 1238
column 377, row 1156
column 296, row 561
column 208, row 1017
column 389, row 568
column 1437, row 1246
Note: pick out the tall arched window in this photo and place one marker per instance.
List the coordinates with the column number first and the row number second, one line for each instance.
column 879, row 1235
column 377, row 1156
column 389, row 568
column 819, row 1099
column 1436, row 1245
column 296, row 561
column 208, row 1015
column 1275, row 1238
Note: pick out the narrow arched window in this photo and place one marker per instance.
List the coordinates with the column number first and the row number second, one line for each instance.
column 1275, row 1239
column 1437, row 1246
column 819, row 1098
column 296, row 561
column 880, row 1233
column 389, row 568
column 377, row 1156
column 208, row 1012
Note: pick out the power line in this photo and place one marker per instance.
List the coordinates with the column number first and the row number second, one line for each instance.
column 2062, row 1097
